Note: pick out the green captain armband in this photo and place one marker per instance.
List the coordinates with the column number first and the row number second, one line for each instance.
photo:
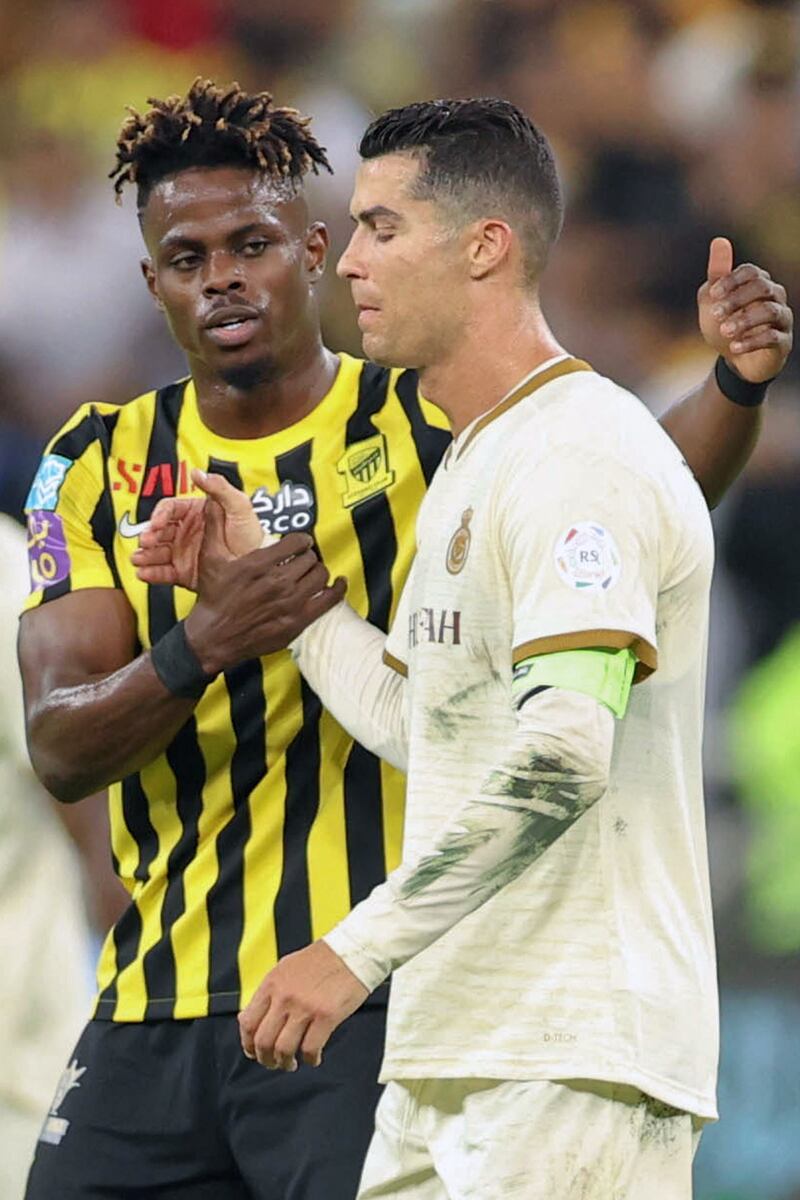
column 607, row 675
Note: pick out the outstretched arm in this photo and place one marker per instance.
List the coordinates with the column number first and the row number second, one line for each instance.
column 555, row 769
column 744, row 317
column 341, row 657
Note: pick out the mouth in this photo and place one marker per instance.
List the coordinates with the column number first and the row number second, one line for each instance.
column 233, row 325
column 367, row 315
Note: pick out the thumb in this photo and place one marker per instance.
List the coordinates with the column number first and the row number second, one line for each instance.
column 213, row 542
column 720, row 259
column 232, row 501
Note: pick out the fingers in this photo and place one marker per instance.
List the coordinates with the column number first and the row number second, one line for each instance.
column 166, row 575
column 763, row 313
column 152, row 556
column 213, row 544
column 323, row 600
column 743, row 285
column 316, row 1039
column 762, row 337
column 720, row 259
column 232, row 501
column 172, row 511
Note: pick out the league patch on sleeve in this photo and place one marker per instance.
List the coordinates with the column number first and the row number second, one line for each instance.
column 587, row 558
column 46, row 486
column 47, row 549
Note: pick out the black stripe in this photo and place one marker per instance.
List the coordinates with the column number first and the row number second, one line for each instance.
column 183, row 754
column 103, row 523
column 128, row 930
column 534, row 691
column 374, row 528
column 372, row 518
column 76, row 441
column 225, row 904
column 73, row 444
column 292, row 902
column 430, row 442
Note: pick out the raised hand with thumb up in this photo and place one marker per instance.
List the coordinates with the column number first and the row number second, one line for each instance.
column 744, row 315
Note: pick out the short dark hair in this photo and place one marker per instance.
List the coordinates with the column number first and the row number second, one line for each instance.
column 214, row 126
column 478, row 154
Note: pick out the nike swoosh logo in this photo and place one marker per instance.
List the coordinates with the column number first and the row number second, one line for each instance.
column 128, row 530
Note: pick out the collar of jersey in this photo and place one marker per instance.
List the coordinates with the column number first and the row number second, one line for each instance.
column 337, row 398
column 546, row 372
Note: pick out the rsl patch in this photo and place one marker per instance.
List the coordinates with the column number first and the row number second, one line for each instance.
column 587, row 558
column 364, row 470
column 48, row 555
column 47, row 483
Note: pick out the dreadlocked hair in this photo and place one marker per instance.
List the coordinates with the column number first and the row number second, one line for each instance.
column 214, row 126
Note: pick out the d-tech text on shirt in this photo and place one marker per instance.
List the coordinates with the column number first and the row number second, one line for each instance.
column 441, row 625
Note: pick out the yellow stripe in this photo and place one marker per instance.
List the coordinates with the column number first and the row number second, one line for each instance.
column 393, row 785
column 567, row 366
column 158, row 785
column 328, row 875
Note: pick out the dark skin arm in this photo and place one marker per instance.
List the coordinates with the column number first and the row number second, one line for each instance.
column 743, row 316
column 96, row 711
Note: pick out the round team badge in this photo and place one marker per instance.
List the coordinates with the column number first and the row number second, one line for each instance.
column 458, row 546
column 587, row 558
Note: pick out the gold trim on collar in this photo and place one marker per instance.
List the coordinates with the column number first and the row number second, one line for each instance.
column 567, row 366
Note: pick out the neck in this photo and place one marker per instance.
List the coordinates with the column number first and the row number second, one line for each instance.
column 272, row 404
column 498, row 348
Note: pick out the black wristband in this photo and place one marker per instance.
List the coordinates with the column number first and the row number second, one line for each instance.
column 177, row 666
column 736, row 389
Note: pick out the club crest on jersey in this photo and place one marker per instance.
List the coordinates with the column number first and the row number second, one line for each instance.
column 458, row 546
column 364, row 470
column 55, row 1127
column 587, row 558
column 289, row 510
column 46, row 486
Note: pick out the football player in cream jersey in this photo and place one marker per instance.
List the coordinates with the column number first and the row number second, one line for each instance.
column 553, row 1019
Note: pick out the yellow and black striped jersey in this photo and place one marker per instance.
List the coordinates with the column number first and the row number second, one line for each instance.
column 262, row 823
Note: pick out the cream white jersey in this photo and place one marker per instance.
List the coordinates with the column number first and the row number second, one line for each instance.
column 564, row 518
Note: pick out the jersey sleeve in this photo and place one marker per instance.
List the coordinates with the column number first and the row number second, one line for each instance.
column 69, row 514
column 395, row 650
column 580, row 540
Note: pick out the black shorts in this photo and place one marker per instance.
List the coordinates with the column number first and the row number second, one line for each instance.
column 172, row 1110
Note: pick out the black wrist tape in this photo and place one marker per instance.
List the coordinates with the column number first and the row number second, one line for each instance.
column 736, row 389
column 177, row 666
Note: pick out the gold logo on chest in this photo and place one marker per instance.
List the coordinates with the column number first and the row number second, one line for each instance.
column 365, row 470
column 458, row 546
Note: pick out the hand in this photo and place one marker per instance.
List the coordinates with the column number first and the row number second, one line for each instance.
column 250, row 606
column 297, row 1007
column 744, row 315
column 169, row 550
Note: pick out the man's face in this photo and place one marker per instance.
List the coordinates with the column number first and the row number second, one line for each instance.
column 232, row 262
column 406, row 268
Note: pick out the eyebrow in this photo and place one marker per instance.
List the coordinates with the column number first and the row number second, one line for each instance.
column 178, row 238
column 368, row 215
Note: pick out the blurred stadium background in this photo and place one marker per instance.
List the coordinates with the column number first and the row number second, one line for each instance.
column 673, row 120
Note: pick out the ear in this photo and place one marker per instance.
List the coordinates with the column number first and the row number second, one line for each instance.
column 317, row 242
column 146, row 266
column 489, row 247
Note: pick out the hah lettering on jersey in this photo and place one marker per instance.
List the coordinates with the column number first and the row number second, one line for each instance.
column 440, row 625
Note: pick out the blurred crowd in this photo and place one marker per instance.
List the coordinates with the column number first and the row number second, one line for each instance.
column 673, row 121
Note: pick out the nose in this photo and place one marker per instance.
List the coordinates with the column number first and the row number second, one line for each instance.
column 350, row 264
column 223, row 273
